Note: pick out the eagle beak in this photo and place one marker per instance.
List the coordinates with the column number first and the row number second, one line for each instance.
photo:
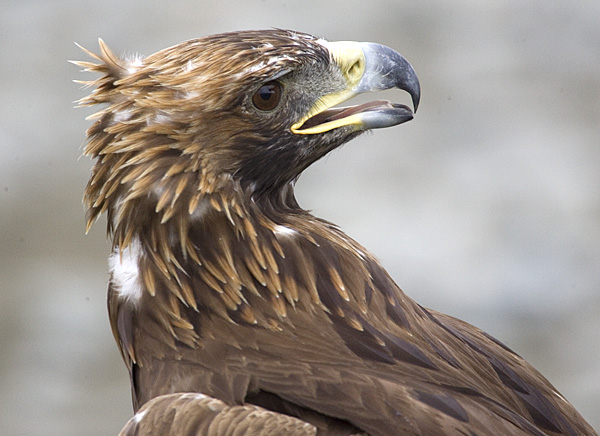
column 366, row 67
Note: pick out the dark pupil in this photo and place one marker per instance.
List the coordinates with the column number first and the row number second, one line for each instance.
column 266, row 92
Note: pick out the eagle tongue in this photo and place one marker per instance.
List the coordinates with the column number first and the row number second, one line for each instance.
column 351, row 110
column 343, row 112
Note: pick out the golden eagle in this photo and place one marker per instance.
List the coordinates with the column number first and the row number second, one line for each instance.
column 238, row 312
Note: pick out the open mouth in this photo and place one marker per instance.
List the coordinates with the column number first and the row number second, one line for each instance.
column 371, row 115
column 365, row 67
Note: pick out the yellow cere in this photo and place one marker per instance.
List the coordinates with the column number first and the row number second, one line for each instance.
column 351, row 60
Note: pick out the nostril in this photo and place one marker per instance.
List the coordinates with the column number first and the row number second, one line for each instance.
column 355, row 69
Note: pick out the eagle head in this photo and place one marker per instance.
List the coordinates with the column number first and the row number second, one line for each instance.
column 236, row 112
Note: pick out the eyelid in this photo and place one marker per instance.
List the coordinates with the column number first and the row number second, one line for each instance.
column 278, row 75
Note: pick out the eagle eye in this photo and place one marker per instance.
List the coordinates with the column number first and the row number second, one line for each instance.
column 268, row 96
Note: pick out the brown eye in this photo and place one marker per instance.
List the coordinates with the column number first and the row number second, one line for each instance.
column 268, row 96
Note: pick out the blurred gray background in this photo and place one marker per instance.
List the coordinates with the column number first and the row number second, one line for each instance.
column 486, row 206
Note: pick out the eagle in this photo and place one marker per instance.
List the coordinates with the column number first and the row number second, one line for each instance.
column 238, row 312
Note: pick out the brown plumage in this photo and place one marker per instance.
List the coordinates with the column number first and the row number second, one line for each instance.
column 222, row 285
column 197, row 414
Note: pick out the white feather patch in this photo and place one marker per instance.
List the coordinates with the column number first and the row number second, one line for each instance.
column 284, row 230
column 139, row 416
column 125, row 272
